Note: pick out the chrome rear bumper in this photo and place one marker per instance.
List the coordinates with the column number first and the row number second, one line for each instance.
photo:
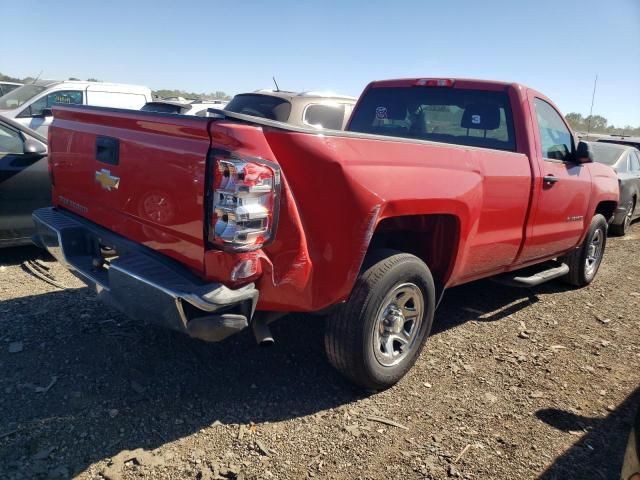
column 141, row 283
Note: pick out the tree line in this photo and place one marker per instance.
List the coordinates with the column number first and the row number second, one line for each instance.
column 598, row 124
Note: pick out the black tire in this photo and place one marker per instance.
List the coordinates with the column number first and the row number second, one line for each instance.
column 352, row 330
column 580, row 274
column 620, row 229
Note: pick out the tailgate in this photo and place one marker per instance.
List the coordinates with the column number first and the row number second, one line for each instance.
column 139, row 174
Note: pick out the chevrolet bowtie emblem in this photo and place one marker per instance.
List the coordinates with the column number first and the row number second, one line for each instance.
column 106, row 180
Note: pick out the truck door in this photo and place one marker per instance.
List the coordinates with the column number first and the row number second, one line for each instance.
column 562, row 188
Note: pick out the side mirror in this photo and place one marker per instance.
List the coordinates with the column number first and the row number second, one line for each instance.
column 583, row 153
column 45, row 112
column 33, row 146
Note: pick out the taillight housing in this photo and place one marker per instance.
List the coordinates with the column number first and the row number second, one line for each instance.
column 244, row 203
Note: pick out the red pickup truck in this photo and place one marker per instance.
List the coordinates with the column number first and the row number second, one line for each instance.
column 212, row 225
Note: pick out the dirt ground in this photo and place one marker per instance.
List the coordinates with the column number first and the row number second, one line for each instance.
column 513, row 384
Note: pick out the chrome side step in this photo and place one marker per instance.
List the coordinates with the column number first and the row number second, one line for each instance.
column 530, row 278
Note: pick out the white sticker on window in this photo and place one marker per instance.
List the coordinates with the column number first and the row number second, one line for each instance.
column 475, row 119
column 381, row 113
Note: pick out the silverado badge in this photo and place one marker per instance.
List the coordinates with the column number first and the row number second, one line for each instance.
column 106, row 180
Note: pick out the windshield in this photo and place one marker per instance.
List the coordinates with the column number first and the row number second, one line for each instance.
column 607, row 154
column 264, row 106
column 19, row 96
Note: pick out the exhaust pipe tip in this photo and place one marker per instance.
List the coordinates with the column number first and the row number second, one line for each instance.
column 262, row 332
column 266, row 342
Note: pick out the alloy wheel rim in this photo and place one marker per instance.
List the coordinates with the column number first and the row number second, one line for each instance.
column 594, row 252
column 398, row 323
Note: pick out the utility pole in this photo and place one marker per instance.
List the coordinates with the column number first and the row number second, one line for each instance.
column 592, row 99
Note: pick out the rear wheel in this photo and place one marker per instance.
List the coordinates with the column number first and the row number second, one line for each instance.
column 621, row 228
column 584, row 262
column 378, row 334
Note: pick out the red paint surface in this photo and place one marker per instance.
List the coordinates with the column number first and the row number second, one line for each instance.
column 335, row 190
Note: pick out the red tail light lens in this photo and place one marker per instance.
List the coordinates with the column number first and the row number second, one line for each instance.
column 244, row 204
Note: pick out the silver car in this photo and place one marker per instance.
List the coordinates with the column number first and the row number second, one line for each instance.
column 625, row 160
column 310, row 109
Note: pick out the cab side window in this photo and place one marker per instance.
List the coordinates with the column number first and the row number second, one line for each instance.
column 62, row 97
column 10, row 141
column 556, row 141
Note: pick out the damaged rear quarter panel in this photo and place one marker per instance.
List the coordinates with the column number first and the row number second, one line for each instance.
column 337, row 191
column 337, row 188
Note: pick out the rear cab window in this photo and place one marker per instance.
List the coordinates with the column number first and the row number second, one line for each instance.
column 263, row 106
column 476, row 118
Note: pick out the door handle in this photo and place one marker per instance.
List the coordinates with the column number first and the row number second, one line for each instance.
column 550, row 179
column 108, row 150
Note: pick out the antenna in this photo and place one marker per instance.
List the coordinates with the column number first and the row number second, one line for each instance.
column 274, row 81
column 37, row 78
column 592, row 99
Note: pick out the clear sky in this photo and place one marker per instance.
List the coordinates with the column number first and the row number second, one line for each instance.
column 555, row 46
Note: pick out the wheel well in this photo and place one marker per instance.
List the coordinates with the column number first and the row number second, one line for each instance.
column 607, row 208
column 432, row 238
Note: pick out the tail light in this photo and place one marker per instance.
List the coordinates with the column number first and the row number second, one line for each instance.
column 244, row 203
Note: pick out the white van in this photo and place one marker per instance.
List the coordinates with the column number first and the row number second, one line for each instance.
column 31, row 104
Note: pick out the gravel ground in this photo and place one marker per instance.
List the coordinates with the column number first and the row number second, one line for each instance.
column 513, row 384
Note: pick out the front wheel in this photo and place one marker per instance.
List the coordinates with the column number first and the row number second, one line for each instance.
column 585, row 261
column 378, row 334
